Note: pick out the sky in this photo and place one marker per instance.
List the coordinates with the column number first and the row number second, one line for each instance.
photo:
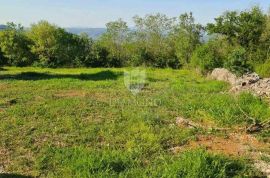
column 96, row 13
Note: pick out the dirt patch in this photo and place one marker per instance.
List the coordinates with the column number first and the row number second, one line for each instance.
column 232, row 145
column 4, row 159
column 2, row 110
column 70, row 94
column 39, row 98
column 3, row 86
column 235, row 145
column 100, row 96
column 234, row 142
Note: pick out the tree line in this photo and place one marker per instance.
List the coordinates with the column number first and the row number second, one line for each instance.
column 239, row 41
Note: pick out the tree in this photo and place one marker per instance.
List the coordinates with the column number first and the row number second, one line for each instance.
column 265, row 39
column 210, row 55
column 2, row 58
column 14, row 45
column 153, row 45
column 87, row 53
column 187, row 37
column 114, row 41
column 245, row 28
column 52, row 45
column 237, row 62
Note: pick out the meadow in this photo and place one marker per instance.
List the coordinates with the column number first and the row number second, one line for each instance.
column 86, row 123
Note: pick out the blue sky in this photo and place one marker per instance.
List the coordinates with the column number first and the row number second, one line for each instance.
column 96, row 13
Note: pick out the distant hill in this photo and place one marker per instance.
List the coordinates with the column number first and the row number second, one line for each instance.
column 2, row 27
column 92, row 32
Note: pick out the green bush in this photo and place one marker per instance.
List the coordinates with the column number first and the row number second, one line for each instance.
column 237, row 62
column 14, row 46
column 207, row 57
column 3, row 60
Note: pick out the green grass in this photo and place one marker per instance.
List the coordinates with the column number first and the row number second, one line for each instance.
column 81, row 162
column 85, row 122
column 263, row 69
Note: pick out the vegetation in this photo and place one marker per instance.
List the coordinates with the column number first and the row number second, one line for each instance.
column 85, row 122
column 238, row 41
column 15, row 46
column 61, row 121
column 246, row 31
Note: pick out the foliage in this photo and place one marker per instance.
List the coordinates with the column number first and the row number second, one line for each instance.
column 237, row 62
column 250, row 30
column 153, row 45
column 14, row 45
column 246, row 27
column 81, row 50
column 187, row 37
column 3, row 60
column 238, row 41
column 52, row 45
column 98, row 57
column 114, row 41
column 207, row 57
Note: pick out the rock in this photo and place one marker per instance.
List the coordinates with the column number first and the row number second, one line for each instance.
column 2, row 170
column 181, row 122
column 251, row 78
column 222, row 74
column 249, row 82
column 263, row 167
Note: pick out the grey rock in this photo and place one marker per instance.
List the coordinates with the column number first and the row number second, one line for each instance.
column 249, row 82
column 222, row 74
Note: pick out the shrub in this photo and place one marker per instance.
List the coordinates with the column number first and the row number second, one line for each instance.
column 14, row 46
column 53, row 45
column 207, row 57
column 237, row 62
column 3, row 60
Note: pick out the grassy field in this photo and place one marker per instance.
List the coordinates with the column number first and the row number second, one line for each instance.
column 86, row 123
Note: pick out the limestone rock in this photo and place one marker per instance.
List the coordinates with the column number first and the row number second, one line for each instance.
column 249, row 82
column 222, row 74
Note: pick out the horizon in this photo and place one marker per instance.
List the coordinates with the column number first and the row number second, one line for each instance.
column 95, row 14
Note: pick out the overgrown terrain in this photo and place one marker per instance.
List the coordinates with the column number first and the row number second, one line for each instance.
column 86, row 123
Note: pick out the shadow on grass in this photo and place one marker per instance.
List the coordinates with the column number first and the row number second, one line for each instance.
column 2, row 69
column 13, row 176
column 103, row 75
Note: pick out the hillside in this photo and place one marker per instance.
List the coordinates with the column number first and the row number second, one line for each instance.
column 92, row 32
column 2, row 27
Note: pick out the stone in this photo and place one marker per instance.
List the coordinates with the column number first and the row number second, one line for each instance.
column 248, row 82
column 181, row 122
column 222, row 74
